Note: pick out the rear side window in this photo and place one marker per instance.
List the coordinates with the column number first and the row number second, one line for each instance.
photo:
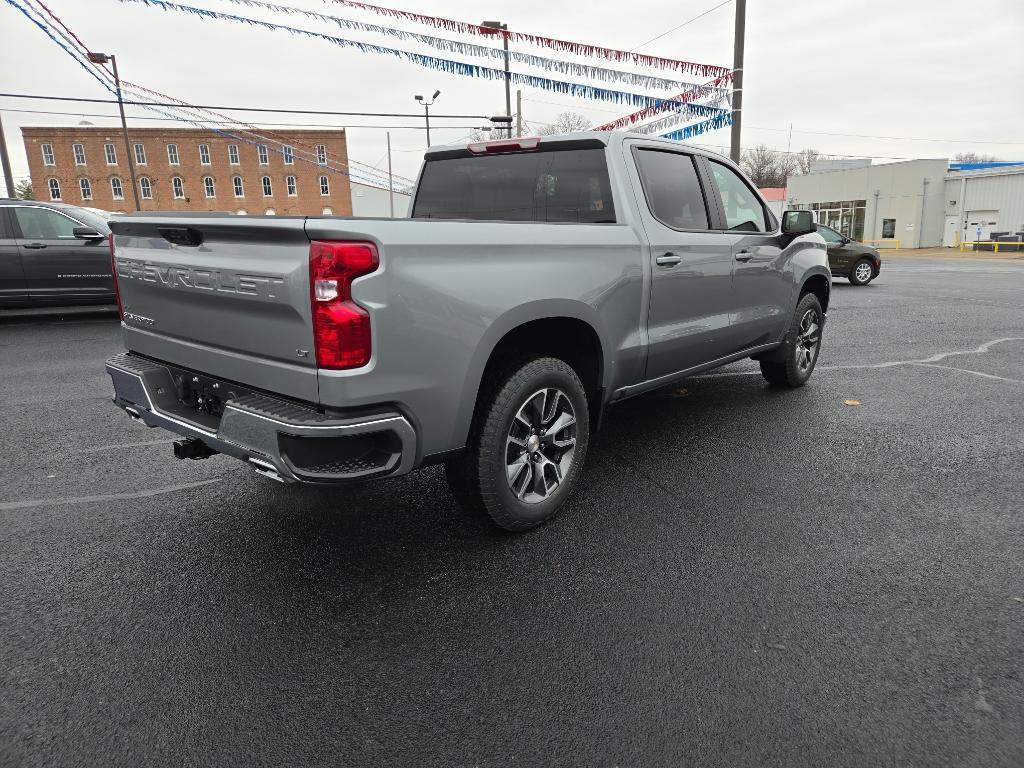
column 743, row 211
column 672, row 189
column 569, row 185
column 44, row 224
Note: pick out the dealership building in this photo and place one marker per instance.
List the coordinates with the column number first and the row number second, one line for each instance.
column 915, row 203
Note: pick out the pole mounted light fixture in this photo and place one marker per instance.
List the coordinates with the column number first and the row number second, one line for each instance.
column 102, row 58
column 426, row 109
column 493, row 27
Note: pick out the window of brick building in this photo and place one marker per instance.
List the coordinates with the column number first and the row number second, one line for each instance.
column 110, row 152
column 85, row 188
column 116, row 188
column 268, row 189
column 236, row 182
column 79, row 152
column 204, row 154
column 208, row 186
column 261, row 153
column 289, row 154
column 172, row 154
column 179, row 188
column 325, row 186
column 54, row 189
column 48, row 154
column 146, row 188
column 321, row 154
column 292, row 186
column 233, row 154
column 140, row 154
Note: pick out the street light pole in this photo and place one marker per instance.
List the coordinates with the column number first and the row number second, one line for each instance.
column 737, row 78
column 497, row 26
column 426, row 113
column 103, row 58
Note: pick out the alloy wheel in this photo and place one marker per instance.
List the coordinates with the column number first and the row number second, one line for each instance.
column 540, row 445
column 863, row 272
column 808, row 337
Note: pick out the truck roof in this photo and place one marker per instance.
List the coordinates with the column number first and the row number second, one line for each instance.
column 607, row 138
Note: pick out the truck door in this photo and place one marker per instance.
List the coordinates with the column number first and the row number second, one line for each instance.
column 691, row 264
column 60, row 267
column 12, row 279
column 762, row 280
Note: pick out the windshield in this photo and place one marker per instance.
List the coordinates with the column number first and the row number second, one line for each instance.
column 90, row 218
column 569, row 185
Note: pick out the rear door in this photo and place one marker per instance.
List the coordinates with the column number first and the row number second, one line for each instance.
column 690, row 300
column 762, row 279
column 12, row 278
column 59, row 267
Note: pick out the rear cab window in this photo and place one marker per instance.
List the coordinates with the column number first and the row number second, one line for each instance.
column 561, row 182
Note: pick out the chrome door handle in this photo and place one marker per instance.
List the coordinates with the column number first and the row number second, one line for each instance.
column 744, row 256
column 668, row 260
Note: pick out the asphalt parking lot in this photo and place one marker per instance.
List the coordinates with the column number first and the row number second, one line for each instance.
column 747, row 577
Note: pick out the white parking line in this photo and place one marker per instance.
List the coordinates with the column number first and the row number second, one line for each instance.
column 967, row 370
column 9, row 505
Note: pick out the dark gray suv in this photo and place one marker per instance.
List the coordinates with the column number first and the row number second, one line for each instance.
column 857, row 262
column 53, row 254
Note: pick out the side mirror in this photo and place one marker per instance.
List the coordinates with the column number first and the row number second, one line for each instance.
column 798, row 223
column 87, row 233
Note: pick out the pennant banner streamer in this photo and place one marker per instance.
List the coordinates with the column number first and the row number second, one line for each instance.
column 721, row 121
column 450, row 66
column 581, row 49
column 571, row 68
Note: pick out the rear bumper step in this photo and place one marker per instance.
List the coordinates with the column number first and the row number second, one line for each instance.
column 281, row 440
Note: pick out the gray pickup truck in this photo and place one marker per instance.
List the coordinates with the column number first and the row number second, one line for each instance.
column 536, row 282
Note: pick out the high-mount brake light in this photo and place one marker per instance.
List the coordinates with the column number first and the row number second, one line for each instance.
column 113, row 272
column 341, row 327
column 505, row 145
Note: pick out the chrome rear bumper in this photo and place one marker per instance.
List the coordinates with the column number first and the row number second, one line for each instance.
column 279, row 439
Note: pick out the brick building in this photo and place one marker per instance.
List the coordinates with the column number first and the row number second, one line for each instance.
column 187, row 169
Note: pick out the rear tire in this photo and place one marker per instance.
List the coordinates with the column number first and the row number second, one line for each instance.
column 863, row 272
column 526, row 446
column 798, row 354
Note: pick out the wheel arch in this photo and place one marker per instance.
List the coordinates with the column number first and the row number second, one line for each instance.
column 820, row 284
column 566, row 329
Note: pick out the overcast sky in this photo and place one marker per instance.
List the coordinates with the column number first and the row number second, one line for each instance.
column 862, row 77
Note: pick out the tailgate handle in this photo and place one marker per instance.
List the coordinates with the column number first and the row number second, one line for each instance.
column 181, row 235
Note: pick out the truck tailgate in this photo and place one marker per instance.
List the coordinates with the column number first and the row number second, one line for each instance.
column 224, row 295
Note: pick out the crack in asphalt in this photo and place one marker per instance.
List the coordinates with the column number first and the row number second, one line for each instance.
column 31, row 503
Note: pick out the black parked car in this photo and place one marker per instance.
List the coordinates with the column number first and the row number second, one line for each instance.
column 847, row 258
column 52, row 253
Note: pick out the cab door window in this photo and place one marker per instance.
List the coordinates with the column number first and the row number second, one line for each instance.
column 742, row 209
column 43, row 224
column 672, row 189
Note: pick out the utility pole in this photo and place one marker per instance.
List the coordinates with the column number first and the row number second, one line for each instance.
column 5, row 160
column 497, row 26
column 519, row 112
column 103, row 58
column 391, row 179
column 426, row 106
column 737, row 79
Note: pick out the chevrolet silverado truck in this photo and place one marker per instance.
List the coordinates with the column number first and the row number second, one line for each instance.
column 536, row 282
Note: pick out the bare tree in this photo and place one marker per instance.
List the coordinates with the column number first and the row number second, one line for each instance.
column 805, row 159
column 974, row 157
column 566, row 122
column 767, row 167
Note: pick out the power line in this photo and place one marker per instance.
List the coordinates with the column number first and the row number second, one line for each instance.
column 419, row 127
column 239, row 109
column 680, row 26
column 893, row 138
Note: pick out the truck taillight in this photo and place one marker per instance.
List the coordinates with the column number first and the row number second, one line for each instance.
column 341, row 328
column 113, row 272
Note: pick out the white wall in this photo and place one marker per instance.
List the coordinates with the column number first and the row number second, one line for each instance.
column 1000, row 191
column 901, row 192
column 374, row 202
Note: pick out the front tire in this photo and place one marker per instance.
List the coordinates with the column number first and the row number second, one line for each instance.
column 796, row 358
column 863, row 272
column 527, row 445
